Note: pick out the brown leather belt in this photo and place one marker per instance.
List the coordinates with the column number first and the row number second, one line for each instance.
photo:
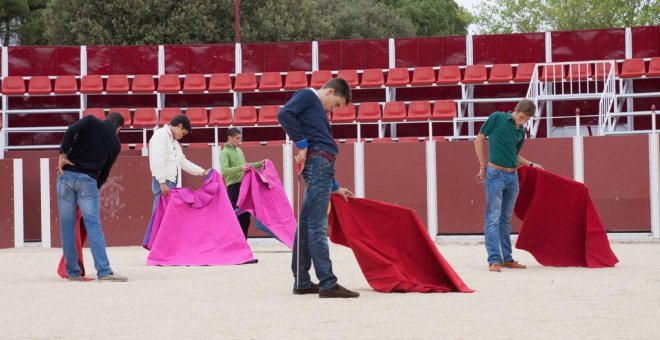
column 495, row 166
column 323, row 154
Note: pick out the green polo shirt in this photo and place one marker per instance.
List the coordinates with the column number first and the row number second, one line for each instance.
column 231, row 164
column 504, row 139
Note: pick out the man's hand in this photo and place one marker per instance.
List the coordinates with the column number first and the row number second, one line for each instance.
column 61, row 163
column 536, row 165
column 164, row 189
column 481, row 175
column 344, row 193
column 206, row 172
column 300, row 160
column 246, row 167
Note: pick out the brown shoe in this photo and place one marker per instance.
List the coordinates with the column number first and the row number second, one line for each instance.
column 76, row 278
column 514, row 265
column 494, row 267
column 338, row 292
column 313, row 289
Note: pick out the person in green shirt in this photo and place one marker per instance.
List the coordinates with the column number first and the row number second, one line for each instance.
column 232, row 166
column 506, row 136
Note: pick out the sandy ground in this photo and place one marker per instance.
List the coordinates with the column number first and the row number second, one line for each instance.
column 255, row 301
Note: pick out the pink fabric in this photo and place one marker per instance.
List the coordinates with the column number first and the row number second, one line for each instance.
column 197, row 228
column 263, row 196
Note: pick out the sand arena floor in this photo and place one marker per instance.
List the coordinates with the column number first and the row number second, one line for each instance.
column 255, row 301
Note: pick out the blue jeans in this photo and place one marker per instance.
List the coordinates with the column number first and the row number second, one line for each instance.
column 501, row 193
column 313, row 226
column 155, row 188
column 79, row 189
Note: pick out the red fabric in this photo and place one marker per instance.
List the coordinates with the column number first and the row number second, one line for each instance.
column 81, row 236
column 561, row 226
column 392, row 247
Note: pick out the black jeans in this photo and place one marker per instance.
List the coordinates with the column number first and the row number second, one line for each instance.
column 243, row 219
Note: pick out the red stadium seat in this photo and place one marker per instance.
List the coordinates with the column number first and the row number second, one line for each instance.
column 245, row 82
column 91, row 84
column 603, row 69
column 144, row 117
column 398, row 77
column 475, row 74
column 143, row 83
column 369, row 112
column 449, row 75
column 351, row 77
column 268, row 115
column 126, row 113
column 194, row 83
column 444, row 110
column 524, row 72
column 552, row 73
column 39, row 85
column 394, row 112
column 270, row 81
column 633, row 68
column 96, row 112
column 220, row 116
column 419, row 110
column 501, row 73
column 372, row 78
column 13, row 85
column 344, row 114
column 66, row 85
column 245, row 116
column 319, row 78
column 169, row 83
column 579, row 72
column 423, row 76
column 220, row 82
column 116, row 83
column 654, row 67
column 295, row 80
column 198, row 116
column 167, row 113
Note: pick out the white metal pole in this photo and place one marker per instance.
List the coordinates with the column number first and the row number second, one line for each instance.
column 18, row 203
column 654, row 182
column 44, row 173
column 358, row 158
column 431, row 191
column 578, row 159
column 287, row 171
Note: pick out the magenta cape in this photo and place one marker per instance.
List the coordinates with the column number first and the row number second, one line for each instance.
column 197, row 228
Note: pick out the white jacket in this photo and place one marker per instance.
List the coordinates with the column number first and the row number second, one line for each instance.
column 166, row 156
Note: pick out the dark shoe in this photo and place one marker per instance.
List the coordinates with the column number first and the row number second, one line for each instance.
column 338, row 292
column 76, row 278
column 114, row 278
column 313, row 289
column 514, row 265
column 494, row 267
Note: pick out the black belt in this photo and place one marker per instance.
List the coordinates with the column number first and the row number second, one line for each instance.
column 323, row 154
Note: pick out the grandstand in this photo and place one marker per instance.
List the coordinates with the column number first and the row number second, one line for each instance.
column 405, row 139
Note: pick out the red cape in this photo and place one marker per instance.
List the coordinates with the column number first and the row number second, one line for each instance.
column 392, row 247
column 561, row 226
column 81, row 236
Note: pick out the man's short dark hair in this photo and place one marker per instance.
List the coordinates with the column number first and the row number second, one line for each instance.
column 526, row 107
column 340, row 87
column 233, row 132
column 182, row 119
column 116, row 118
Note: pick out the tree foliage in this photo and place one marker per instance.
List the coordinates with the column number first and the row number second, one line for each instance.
column 510, row 16
column 433, row 17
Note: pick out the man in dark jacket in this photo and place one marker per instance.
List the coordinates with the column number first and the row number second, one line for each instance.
column 89, row 148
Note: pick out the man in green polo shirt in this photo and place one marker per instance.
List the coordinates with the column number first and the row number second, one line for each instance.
column 506, row 136
column 232, row 166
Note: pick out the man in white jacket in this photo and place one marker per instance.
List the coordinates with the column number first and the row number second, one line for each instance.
column 166, row 156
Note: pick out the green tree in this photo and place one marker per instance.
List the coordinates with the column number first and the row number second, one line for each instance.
column 12, row 13
column 510, row 16
column 282, row 20
column 32, row 28
column 433, row 17
column 353, row 19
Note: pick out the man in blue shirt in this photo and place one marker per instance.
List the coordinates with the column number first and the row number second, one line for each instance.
column 305, row 120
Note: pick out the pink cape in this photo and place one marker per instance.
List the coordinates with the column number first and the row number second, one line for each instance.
column 263, row 196
column 197, row 228
column 392, row 247
column 561, row 226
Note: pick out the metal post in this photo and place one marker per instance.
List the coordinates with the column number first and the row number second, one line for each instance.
column 578, row 159
column 18, row 203
column 358, row 155
column 431, row 191
column 654, row 184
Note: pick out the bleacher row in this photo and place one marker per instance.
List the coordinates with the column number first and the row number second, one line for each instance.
column 273, row 81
